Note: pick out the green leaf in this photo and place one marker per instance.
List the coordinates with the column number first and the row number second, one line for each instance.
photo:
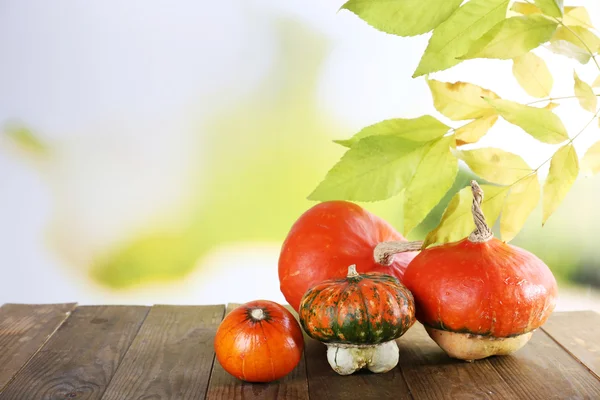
column 575, row 42
column 533, row 75
column 422, row 129
column 590, row 163
column 475, row 130
column 403, row 17
column 540, row 123
column 460, row 100
column 512, row 37
column 577, row 16
column 495, row 165
column 457, row 221
column 454, row 37
column 375, row 168
column 433, row 178
column 564, row 169
column 520, row 202
column 553, row 8
column 585, row 94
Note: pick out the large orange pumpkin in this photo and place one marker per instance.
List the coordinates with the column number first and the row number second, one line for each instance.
column 359, row 318
column 330, row 236
column 259, row 341
column 480, row 296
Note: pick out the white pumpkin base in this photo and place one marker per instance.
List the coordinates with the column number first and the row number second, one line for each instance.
column 346, row 359
column 469, row 347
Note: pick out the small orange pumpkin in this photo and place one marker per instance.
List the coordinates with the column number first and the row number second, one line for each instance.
column 259, row 341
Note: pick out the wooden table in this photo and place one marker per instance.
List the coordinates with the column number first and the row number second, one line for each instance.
column 62, row 351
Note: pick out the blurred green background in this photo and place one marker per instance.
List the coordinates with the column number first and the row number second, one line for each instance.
column 158, row 155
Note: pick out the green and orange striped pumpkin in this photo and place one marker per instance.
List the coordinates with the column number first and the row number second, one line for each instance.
column 361, row 309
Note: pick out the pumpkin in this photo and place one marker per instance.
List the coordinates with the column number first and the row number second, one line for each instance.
column 329, row 237
column 479, row 296
column 358, row 318
column 259, row 341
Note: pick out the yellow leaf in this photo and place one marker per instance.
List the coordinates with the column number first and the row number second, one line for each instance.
column 525, row 8
column 579, row 36
column 475, row 130
column 553, row 8
column 533, row 75
column 460, row 100
column 564, row 169
column 433, row 177
column 520, row 202
column 457, row 221
column 577, row 16
column 585, row 94
column 540, row 123
column 495, row 165
column 590, row 163
column 551, row 106
column 596, row 82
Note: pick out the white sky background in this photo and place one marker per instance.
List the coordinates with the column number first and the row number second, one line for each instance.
column 79, row 72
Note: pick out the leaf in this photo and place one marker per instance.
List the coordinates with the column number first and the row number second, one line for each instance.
column 26, row 140
column 422, row 129
column 551, row 106
column 495, row 165
column 570, row 50
column 475, row 130
column 375, row 168
column 453, row 37
column 577, row 16
column 460, row 100
column 457, row 220
column 433, row 178
column 540, row 123
column 579, row 36
column 525, row 8
column 403, row 17
column 553, row 8
column 533, row 75
column 520, row 202
column 585, row 94
column 590, row 163
column 564, row 169
column 596, row 82
column 512, row 37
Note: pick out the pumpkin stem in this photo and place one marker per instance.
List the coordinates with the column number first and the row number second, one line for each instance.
column 384, row 251
column 352, row 271
column 482, row 232
column 257, row 314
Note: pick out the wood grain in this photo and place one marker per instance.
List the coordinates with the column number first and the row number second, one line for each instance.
column 431, row 374
column 24, row 328
column 81, row 357
column 171, row 357
column 223, row 386
column 578, row 332
column 544, row 370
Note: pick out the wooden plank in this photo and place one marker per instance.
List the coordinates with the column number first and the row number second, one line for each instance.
column 24, row 328
column 79, row 360
column 431, row 374
column 544, row 370
column 224, row 386
column 578, row 332
column 171, row 357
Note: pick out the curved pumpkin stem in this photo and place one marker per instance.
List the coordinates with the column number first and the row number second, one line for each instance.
column 482, row 232
column 352, row 271
column 384, row 251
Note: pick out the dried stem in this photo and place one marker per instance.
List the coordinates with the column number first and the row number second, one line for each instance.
column 384, row 251
column 482, row 232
